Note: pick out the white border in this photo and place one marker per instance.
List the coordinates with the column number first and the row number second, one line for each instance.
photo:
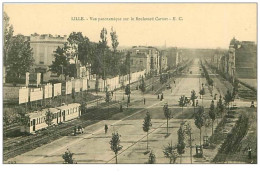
column 123, row 172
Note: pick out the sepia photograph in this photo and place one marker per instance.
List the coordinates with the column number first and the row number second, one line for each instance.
column 129, row 83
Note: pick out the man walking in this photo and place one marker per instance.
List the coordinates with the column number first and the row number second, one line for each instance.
column 106, row 128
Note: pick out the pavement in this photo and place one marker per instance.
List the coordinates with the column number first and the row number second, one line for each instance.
column 93, row 146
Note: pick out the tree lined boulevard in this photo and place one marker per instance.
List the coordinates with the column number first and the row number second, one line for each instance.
column 93, row 146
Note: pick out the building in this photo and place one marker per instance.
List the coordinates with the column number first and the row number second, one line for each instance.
column 173, row 57
column 139, row 62
column 163, row 61
column 148, row 56
column 43, row 47
column 246, row 59
column 240, row 61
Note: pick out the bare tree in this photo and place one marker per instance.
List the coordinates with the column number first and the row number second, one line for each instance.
column 170, row 153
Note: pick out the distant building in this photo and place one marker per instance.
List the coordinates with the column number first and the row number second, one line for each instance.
column 240, row 61
column 173, row 57
column 150, row 55
column 139, row 62
column 246, row 60
column 163, row 61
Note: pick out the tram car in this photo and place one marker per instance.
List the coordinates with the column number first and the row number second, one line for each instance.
column 37, row 120
column 69, row 112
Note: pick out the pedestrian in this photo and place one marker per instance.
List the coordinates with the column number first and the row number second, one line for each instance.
column 112, row 93
column 249, row 153
column 252, row 104
column 106, row 128
column 75, row 130
column 197, row 103
column 144, row 101
column 162, row 95
column 158, row 96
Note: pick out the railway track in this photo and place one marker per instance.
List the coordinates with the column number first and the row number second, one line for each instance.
column 27, row 143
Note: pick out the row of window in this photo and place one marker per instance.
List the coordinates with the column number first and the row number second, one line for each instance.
column 37, row 121
column 72, row 110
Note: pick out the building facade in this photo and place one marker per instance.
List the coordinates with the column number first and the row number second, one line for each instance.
column 240, row 61
column 163, row 61
column 43, row 47
column 149, row 57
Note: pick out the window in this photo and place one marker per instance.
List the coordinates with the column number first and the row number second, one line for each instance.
column 41, row 61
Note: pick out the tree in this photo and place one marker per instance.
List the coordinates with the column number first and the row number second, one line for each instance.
column 61, row 64
column 167, row 114
column 82, row 49
column 220, row 106
column 193, row 97
column 8, row 35
column 181, row 143
column 23, row 118
column 199, row 120
column 182, row 102
column 127, row 92
column 108, row 99
column 170, row 153
column 152, row 158
column 49, row 117
column 115, row 57
column 212, row 114
column 142, row 85
column 210, row 82
column 188, row 131
column 75, row 42
column 234, row 92
column 228, row 98
column 102, row 46
column 147, row 125
column 19, row 58
column 83, row 107
column 68, row 157
column 202, row 92
column 115, row 144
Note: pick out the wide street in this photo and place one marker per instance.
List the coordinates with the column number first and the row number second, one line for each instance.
column 93, row 146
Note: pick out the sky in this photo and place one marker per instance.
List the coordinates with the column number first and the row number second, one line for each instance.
column 208, row 25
